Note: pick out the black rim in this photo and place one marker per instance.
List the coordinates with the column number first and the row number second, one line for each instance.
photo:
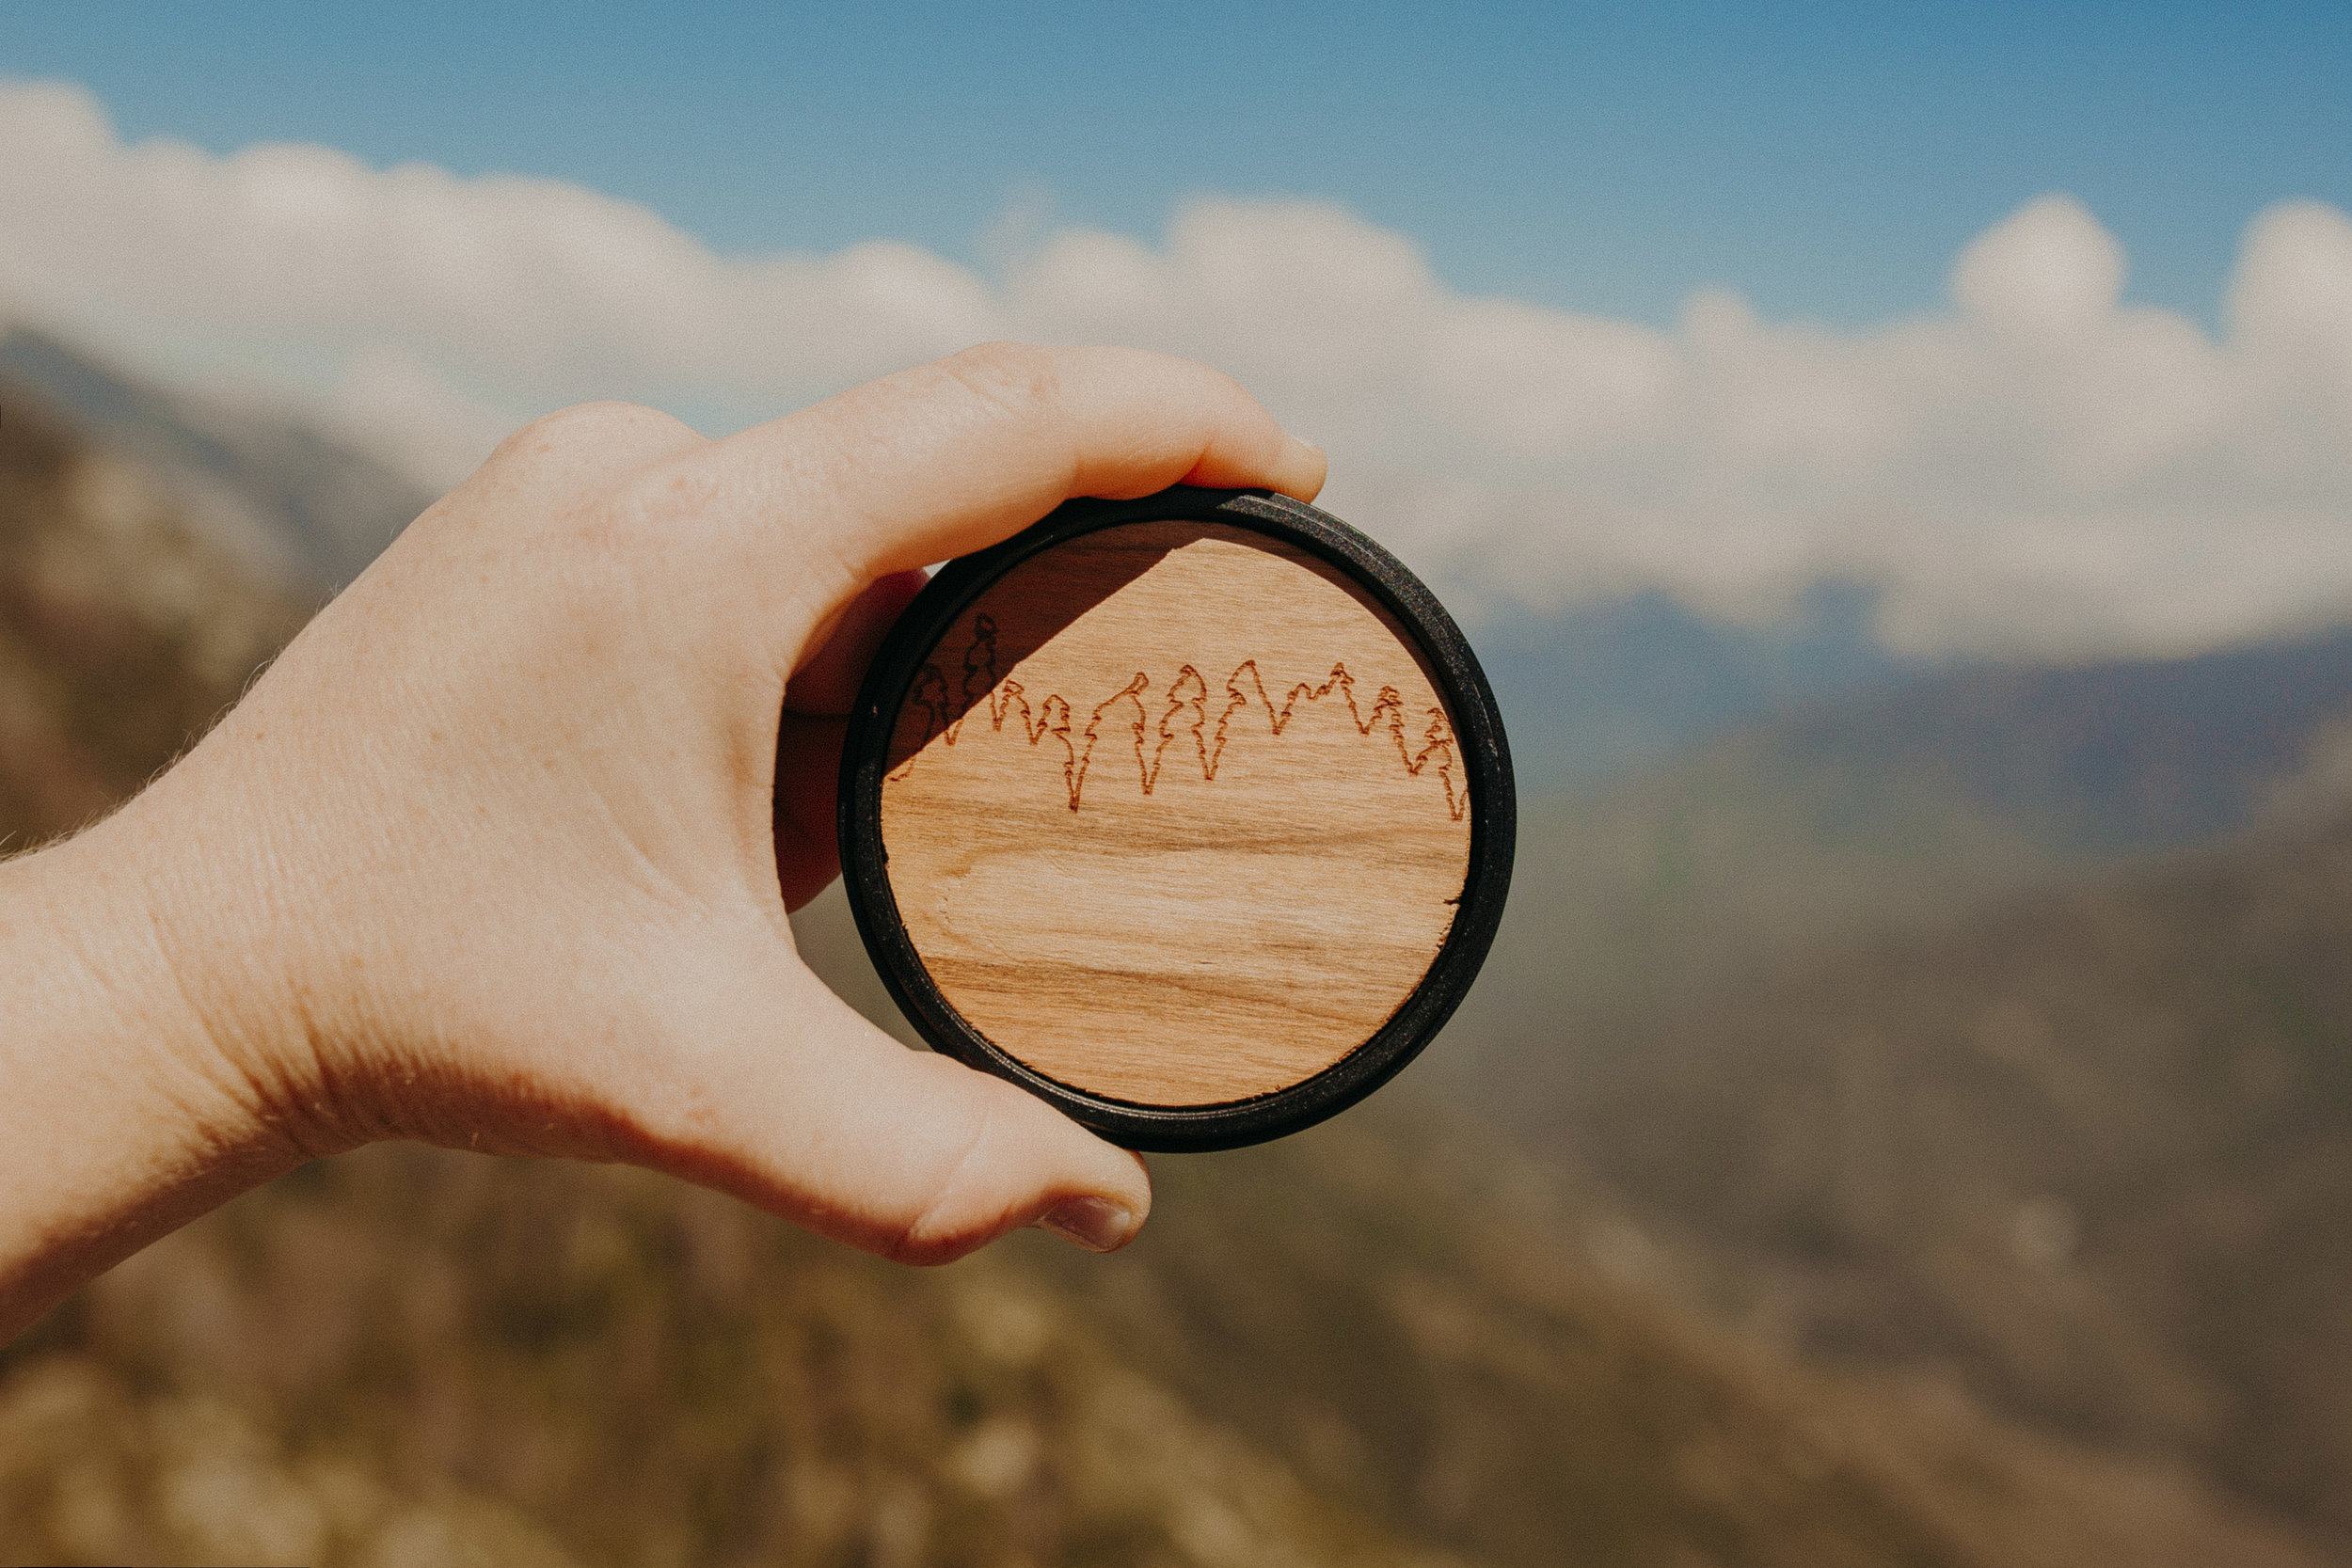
column 1486, row 759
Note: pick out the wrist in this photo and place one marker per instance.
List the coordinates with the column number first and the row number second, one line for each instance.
column 124, row 1116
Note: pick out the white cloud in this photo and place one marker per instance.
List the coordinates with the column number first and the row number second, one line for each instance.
column 2037, row 468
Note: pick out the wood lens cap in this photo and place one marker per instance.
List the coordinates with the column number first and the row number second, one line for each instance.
column 1191, row 815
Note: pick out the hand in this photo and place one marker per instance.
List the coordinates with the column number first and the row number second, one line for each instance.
column 498, row 854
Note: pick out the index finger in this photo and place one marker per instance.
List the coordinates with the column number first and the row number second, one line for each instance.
column 952, row 456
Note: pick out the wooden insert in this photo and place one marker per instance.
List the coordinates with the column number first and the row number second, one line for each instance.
column 1174, row 816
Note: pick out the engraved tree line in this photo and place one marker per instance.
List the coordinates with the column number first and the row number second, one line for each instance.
column 1187, row 719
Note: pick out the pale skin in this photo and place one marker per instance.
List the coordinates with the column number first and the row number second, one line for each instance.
column 498, row 854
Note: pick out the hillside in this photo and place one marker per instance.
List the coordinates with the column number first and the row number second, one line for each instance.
column 2093, row 1151
column 274, row 497
column 1893, row 813
column 122, row 629
column 1347, row 1349
column 1467, row 1342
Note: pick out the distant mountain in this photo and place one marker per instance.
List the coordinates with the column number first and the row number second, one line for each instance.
column 2123, row 758
column 124, row 631
column 1889, row 811
column 2093, row 1150
column 290, row 504
column 1615, row 690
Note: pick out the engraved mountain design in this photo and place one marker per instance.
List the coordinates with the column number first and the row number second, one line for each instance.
column 1183, row 723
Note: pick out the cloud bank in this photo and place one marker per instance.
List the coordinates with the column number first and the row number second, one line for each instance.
column 2037, row 468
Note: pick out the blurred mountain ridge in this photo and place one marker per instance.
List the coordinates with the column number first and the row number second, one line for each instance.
column 1884, row 812
column 123, row 628
column 291, row 505
column 1604, row 691
column 2093, row 1150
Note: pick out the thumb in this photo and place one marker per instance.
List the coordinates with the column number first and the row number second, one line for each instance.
column 788, row 1100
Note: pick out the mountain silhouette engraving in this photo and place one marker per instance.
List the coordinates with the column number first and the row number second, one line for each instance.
column 940, row 711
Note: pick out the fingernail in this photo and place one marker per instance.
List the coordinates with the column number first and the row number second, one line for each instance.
column 1095, row 1224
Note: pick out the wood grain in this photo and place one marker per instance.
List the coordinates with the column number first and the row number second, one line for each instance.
column 1173, row 814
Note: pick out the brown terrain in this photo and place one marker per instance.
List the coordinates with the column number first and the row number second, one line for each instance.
column 2093, row 1152
column 1388, row 1341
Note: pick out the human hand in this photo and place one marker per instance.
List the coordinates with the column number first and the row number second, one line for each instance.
column 498, row 854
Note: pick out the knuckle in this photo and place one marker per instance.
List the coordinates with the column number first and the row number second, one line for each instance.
column 660, row 497
column 603, row 428
column 1021, row 378
column 1205, row 391
column 931, row 1236
column 580, row 421
column 945, row 1225
column 1213, row 380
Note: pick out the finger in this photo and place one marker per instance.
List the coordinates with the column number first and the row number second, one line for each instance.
column 796, row 1104
column 808, row 783
column 942, row 460
column 808, row 741
column 827, row 682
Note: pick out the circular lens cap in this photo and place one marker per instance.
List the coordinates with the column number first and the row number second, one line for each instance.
column 1191, row 815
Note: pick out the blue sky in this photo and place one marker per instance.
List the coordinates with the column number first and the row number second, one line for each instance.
column 1826, row 160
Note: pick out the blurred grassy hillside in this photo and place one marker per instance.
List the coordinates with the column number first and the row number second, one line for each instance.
column 1997, row 1024
column 2093, row 1148
column 1391, row 1339
column 121, row 632
column 1337, row 1350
